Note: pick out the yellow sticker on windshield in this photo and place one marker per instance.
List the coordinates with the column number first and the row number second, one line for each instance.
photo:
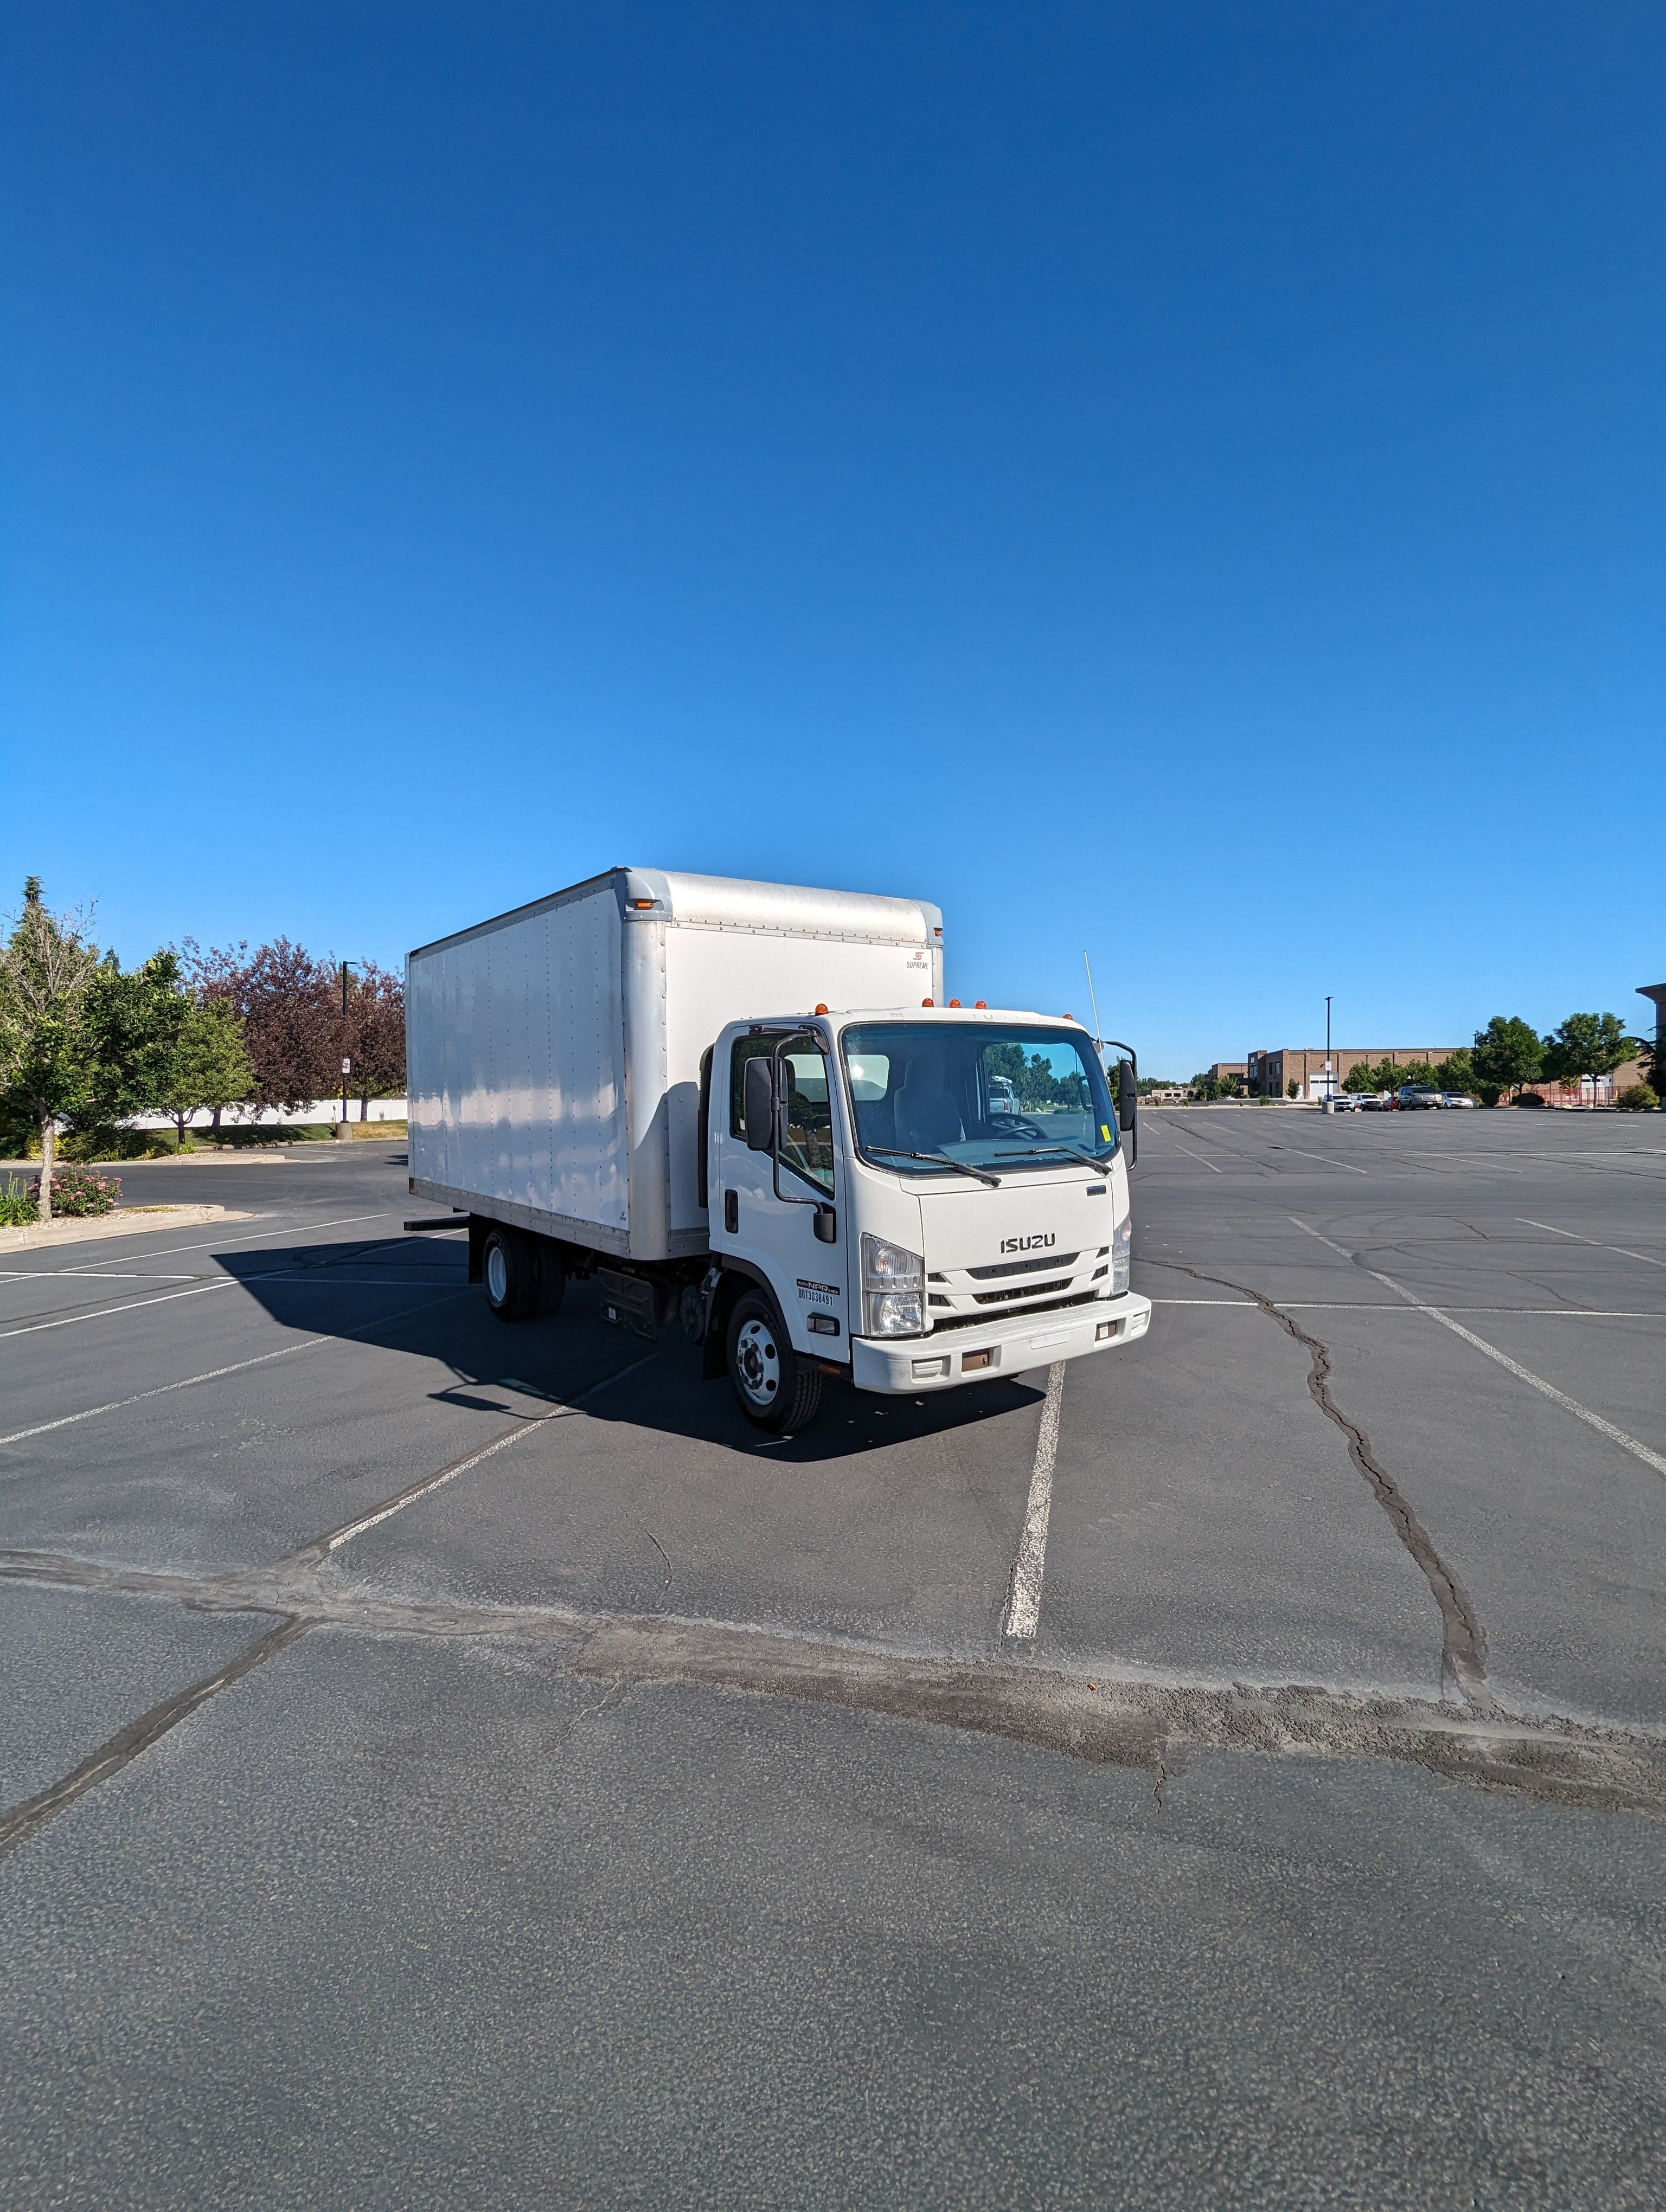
column 1104, row 1132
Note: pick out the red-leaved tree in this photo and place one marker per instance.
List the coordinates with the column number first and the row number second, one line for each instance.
column 290, row 1011
column 295, row 1030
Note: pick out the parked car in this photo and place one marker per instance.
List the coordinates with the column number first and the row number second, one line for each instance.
column 1416, row 1097
column 1455, row 1098
column 1374, row 1101
column 1345, row 1102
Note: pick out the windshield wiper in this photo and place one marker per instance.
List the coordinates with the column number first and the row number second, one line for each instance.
column 940, row 1159
column 1040, row 1153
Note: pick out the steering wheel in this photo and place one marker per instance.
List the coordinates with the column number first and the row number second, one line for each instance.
column 1017, row 1125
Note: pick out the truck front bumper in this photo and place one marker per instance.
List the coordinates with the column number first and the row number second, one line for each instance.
column 946, row 1360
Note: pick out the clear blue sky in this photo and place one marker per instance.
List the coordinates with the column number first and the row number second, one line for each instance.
column 1184, row 481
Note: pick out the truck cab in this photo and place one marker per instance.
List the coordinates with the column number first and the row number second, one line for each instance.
column 916, row 1200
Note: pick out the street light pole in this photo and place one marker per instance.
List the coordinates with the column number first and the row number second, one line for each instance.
column 346, row 1059
column 1330, row 1075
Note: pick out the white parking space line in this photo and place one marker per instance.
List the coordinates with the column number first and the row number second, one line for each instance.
column 1606, row 1428
column 250, row 1236
column 213, row 1374
column 1380, row 1305
column 132, row 1305
column 220, row 1283
column 94, row 1275
column 563, row 1411
column 342, row 1282
column 1191, row 1155
column 1023, row 1603
column 1593, row 1241
column 1325, row 1156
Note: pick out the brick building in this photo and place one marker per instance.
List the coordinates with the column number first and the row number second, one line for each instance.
column 1270, row 1073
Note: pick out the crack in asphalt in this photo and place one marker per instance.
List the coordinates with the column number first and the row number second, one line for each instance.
column 1142, row 1722
column 20, row 1822
column 664, row 1554
column 1463, row 1644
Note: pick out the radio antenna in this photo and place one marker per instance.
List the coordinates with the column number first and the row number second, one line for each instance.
column 1094, row 1002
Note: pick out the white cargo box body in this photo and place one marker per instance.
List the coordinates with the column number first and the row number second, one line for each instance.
column 553, row 1055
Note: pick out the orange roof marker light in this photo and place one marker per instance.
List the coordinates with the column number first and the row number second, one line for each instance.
column 954, row 1002
column 928, row 1002
column 982, row 1005
column 820, row 1008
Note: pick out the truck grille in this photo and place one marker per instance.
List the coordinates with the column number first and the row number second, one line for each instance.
column 1019, row 1291
column 1022, row 1267
column 941, row 1324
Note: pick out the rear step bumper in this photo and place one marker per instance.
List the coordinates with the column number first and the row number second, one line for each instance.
column 944, row 1361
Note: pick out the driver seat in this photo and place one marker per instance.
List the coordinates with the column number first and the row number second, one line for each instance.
column 927, row 1117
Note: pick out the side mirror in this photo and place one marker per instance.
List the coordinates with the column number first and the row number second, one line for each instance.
column 1127, row 1096
column 760, row 1097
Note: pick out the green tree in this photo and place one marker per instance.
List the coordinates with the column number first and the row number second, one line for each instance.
column 1456, row 1071
column 1508, row 1054
column 1588, row 1044
column 208, row 1067
column 134, row 1020
column 1653, row 1057
column 48, row 1059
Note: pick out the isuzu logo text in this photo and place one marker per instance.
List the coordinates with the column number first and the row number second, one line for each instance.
column 1026, row 1243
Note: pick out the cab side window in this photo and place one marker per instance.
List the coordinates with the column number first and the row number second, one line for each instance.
column 809, row 1146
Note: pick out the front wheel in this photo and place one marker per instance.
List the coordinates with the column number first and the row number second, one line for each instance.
column 778, row 1388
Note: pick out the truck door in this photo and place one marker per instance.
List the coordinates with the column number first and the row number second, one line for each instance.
column 777, row 1233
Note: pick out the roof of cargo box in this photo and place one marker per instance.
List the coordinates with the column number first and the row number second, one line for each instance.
column 733, row 902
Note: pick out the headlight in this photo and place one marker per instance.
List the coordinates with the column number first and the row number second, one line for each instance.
column 1121, row 1250
column 893, row 1290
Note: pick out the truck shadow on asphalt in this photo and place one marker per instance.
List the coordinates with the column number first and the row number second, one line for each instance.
column 574, row 1358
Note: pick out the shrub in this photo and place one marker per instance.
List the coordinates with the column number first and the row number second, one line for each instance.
column 112, row 1142
column 18, row 1208
column 77, row 1191
column 1637, row 1098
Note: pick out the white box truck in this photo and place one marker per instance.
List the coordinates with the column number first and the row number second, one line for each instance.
column 745, row 1106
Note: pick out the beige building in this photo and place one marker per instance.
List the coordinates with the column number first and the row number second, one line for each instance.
column 1269, row 1074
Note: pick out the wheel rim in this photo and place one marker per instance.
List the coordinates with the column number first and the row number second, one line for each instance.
column 497, row 1274
column 758, row 1360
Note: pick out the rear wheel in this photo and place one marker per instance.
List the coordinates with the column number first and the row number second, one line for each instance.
column 509, row 1265
column 778, row 1388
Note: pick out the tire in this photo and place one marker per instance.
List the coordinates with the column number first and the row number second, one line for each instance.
column 509, row 1267
column 777, row 1387
column 551, row 1264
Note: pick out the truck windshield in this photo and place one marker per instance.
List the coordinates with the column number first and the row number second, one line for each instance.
column 1007, row 1101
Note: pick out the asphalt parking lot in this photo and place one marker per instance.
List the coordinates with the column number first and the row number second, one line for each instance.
column 459, row 1765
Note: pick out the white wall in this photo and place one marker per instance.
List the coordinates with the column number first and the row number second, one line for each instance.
column 268, row 1117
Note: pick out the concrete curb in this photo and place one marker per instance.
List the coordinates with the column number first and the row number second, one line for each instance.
column 127, row 1222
